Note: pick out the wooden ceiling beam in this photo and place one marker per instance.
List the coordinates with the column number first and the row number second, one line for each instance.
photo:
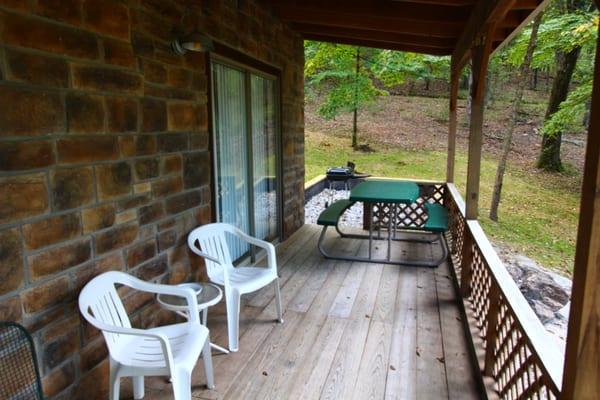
column 385, row 37
column 449, row 3
column 368, row 22
column 381, row 45
column 486, row 15
column 377, row 8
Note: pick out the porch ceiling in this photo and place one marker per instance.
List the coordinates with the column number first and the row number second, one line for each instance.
column 435, row 27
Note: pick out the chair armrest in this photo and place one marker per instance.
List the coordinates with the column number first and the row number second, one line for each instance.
column 268, row 247
column 187, row 293
column 161, row 337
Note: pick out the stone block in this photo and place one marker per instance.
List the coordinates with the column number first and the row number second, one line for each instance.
column 59, row 259
column 93, row 77
column 98, row 218
column 154, row 72
column 166, row 9
column 196, row 61
column 142, row 45
column 203, row 118
column 37, row 69
column 199, row 141
column 204, row 215
column 59, row 350
column 107, row 17
column 171, row 164
column 196, row 169
column 134, row 201
column 156, row 26
column 118, row 53
column 46, row 295
column 16, row 118
column 167, row 186
column 180, row 78
column 72, row 187
column 11, row 261
column 183, row 202
column 168, row 92
column 152, row 269
column 117, row 237
column 167, row 240
column 145, row 145
column 183, row 117
column 15, row 4
column 85, row 113
column 146, row 168
column 87, row 149
column 113, row 180
column 59, row 379
column 126, row 216
column 199, row 82
column 97, row 378
column 52, row 38
column 122, row 114
column 172, row 142
column 22, row 197
column 154, row 115
column 127, row 146
column 92, row 354
column 16, row 156
column 10, row 309
column 142, row 187
column 51, row 230
column 137, row 300
column 141, row 252
column 68, row 11
column 84, row 274
column 151, row 213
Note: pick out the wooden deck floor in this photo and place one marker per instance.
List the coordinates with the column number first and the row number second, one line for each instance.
column 351, row 331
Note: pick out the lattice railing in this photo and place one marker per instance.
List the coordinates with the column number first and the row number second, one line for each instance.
column 406, row 215
column 518, row 354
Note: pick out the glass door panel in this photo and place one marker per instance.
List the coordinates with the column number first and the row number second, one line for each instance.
column 231, row 150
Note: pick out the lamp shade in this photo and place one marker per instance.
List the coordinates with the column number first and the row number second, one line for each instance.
column 195, row 41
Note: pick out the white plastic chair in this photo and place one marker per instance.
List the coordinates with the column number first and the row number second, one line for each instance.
column 171, row 350
column 236, row 280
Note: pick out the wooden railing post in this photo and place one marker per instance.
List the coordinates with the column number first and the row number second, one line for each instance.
column 466, row 266
column 492, row 329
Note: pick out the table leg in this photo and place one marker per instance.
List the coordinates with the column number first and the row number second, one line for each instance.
column 204, row 320
column 390, row 223
column 371, row 229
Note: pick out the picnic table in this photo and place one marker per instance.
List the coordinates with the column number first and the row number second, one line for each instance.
column 386, row 196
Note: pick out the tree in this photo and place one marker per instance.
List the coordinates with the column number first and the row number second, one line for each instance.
column 567, row 54
column 343, row 73
column 523, row 77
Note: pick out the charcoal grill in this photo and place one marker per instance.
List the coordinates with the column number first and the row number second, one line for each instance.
column 343, row 174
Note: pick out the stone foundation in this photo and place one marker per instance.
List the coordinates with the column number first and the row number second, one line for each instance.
column 105, row 161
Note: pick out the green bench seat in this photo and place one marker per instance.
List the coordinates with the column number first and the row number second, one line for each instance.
column 437, row 220
column 331, row 215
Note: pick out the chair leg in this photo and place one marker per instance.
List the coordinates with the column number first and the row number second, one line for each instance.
column 208, row 368
column 182, row 385
column 114, row 380
column 138, row 387
column 232, row 298
column 278, row 300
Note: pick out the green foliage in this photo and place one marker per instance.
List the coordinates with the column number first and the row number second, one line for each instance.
column 571, row 110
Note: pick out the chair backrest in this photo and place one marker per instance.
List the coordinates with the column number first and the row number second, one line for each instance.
column 19, row 373
column 211, row 239
column 99, row 301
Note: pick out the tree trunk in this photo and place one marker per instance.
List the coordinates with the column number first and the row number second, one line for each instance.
column 355, row 116
column 534, row 80
column 549, row 158
column 522, row 81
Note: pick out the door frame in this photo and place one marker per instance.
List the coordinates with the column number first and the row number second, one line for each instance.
column 234, row 59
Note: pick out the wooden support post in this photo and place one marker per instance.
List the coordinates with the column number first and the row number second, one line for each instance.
column 581, row 379
column 481, row 54
column 452, row 121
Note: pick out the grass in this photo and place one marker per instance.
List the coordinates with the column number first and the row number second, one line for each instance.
column 538, row 213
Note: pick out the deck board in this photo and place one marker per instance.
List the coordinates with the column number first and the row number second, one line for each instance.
column 351, row 330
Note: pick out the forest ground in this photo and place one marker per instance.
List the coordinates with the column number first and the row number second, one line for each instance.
column 539, row 210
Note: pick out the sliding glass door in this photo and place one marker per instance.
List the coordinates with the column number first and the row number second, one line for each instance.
column 246, row 156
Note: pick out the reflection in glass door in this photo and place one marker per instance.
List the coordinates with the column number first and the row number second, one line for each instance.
column 245, row 145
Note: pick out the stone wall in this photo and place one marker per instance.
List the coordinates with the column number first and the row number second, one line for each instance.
column 104, row 160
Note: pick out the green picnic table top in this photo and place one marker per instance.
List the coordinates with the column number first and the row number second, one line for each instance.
column 385, row 191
